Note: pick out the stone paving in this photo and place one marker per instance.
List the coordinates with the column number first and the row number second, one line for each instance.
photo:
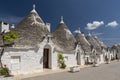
column 45, row 72
column 103, row 72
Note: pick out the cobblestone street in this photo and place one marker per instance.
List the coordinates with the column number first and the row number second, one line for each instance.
column 103, row 72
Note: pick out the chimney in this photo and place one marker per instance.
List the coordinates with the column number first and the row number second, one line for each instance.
column 13, row 26
column 4, row 26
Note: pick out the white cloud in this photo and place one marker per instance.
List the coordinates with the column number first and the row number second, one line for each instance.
column 96, row 34
column 94, row 25
column 112, row 24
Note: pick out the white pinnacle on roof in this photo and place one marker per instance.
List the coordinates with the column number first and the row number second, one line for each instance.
column 61, row 20
column 89, row 34
column 13, row 26
column 77, row 31
column 115, row 44
column 34, row 16
column 34, row 9
column 96, row 37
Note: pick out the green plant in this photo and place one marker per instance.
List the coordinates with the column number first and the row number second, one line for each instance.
column 60, row 56
column 85, row 53
column 4, row 71
column 9, row 37
column 112, row 59
column 63, row 65
column 106, row 58
column 61, row 61
column 86, row 62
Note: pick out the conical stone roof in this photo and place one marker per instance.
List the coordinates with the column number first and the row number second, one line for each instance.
column 31, row 30
column 94, row 43
column 83, row 42
column 100, row 42
column 63, row 38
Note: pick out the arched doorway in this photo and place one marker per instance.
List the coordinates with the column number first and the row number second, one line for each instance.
column 47, row 57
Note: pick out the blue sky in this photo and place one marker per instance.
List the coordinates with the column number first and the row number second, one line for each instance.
column 100, row 17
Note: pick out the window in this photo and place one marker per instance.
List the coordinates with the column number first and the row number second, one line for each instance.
column 15, row 59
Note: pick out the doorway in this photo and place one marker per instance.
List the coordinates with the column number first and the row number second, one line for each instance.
column 78, row 58
column 46, row 58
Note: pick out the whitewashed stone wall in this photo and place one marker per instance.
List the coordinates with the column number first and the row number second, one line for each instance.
column 70, row 59
column 82, row 59
column 114, row 53
column 101, row 60
column 54, row 60
column 29, row 61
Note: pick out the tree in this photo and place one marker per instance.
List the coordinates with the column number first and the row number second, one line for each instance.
column 8, row 40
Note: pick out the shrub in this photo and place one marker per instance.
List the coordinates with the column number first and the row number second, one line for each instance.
column 112, row 59
column 4, row 71
column 106, row 58
column 61, row 61
column 63, row 65
column 60, row 56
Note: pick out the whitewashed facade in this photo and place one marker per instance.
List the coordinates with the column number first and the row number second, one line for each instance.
column 29, row 60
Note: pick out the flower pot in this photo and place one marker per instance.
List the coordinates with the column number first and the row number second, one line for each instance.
column 95, row 65
column 75, row 69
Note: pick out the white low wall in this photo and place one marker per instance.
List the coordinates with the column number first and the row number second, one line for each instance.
column 70, row 59
column 82, row 60
column 27, row 62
